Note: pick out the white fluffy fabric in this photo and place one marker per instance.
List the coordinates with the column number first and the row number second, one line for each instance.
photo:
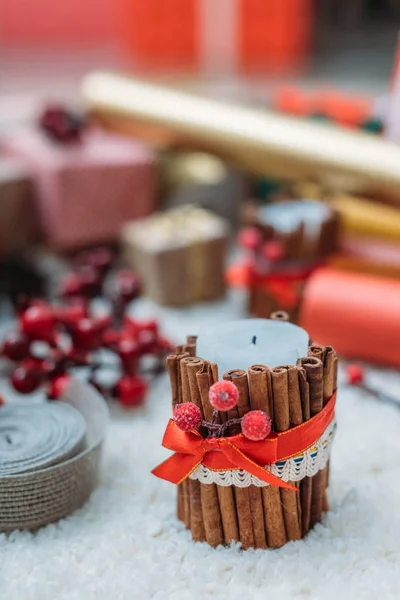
column 126, row 543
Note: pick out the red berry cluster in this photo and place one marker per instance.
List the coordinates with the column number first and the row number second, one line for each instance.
column 72, row 335
column 223, row 396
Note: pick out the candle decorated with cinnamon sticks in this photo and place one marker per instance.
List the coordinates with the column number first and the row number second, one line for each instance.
column 284, row 242
column 251, row 431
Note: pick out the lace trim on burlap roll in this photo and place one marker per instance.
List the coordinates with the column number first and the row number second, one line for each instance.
column 308, row 464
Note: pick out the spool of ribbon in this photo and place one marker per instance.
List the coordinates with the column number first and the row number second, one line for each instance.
column 49, row 457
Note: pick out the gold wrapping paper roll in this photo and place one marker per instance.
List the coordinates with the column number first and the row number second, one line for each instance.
column 361, row 216
column 260, row 141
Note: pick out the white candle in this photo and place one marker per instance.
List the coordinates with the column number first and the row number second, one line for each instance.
column 241, row 344
column 286, row 216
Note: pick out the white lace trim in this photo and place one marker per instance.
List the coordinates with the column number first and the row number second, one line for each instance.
column 294, row 469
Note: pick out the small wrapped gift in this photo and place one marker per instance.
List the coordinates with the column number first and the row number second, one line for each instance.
column 205, row 180
column 179, row 254
column 19, row 226
column 85, row 187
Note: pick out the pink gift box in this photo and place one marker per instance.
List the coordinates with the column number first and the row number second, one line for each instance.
column 86, row 190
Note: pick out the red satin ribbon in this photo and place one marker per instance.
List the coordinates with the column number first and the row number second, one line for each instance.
column 283, row 285
column 237, row 452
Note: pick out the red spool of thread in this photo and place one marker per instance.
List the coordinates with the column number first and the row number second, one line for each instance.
column 359, row 315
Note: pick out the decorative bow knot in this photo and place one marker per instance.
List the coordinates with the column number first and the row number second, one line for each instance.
column 281, row 283
column 238, row 452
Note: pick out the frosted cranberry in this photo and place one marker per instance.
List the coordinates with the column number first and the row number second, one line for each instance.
column 38, row 323
column 71, row 286
column 127, row 286
column 147, row 336
column 91, row 280
column 273, row 251
column 85, row 335
column 129, row 353
column 25, row 379
column 223, row 395
column 131, row 391
column 16, row 346
column 110, row 337
column 250, row 238
column 355, row 374
column 58, row 386
column 256, row 425
column 187, row 416
column 101, row 258
column 70, row 315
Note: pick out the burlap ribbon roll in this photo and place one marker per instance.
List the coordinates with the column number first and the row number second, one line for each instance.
column 49, row 457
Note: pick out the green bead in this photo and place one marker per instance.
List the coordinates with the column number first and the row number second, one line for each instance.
column 372, row 125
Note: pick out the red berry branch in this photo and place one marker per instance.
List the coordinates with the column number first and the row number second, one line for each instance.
column 54, row 339
column 223, row 396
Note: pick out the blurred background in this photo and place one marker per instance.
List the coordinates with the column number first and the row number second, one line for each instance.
column 208, row 235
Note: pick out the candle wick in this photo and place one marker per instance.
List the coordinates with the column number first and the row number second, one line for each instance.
column 253, row 341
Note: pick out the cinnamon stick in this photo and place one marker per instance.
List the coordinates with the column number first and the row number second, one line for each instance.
column 279, row 315
column 330, row 385
column 256, row 387
column 190, row 366
column 210, row 502
column 280, row 387
column 314, row 373
column 242, row 495
column 261, row 399
column 306, row 483
column 173, row 368
column 190, row 349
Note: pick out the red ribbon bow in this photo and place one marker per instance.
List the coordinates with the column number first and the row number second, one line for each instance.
column 237, row 452
column 283, row 284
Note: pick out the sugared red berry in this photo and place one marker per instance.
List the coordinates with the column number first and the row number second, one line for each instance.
column 110, row 337
column 354, row 374
column 187, row 416
column 85, row 335
column 38, row 323
column 71, row 286
column 16, row 346
column 129, row 352
column 70, row 315
column 91, row 280
column 256, row 425
column 147, row 336
column 58, row 386
column 131, row 391
column 223, row 395
column 273, row 251
column 250, row 238
column 126, row 286
column 101, row 258
column 25, row 379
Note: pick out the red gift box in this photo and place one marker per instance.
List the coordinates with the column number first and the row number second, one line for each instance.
column 217, row 35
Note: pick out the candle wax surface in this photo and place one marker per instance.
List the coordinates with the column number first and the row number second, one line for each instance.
column 286, row 216
column 241, row 344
